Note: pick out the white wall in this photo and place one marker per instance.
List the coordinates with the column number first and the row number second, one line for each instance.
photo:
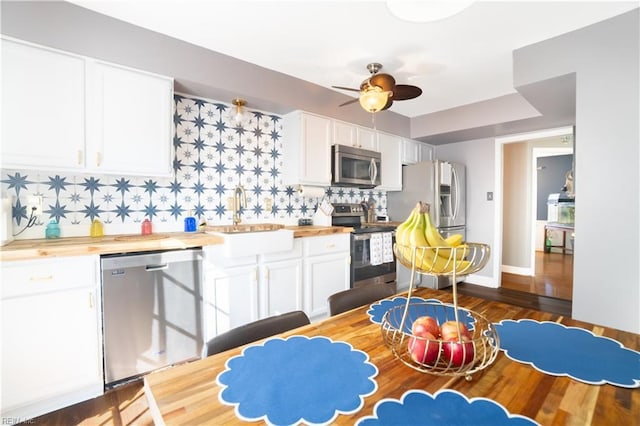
column 478, row 156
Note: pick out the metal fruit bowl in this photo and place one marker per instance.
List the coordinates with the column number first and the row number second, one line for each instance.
column 465, row 259
column 434, row 356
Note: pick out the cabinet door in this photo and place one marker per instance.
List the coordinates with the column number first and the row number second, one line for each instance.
column 344, row 134
column 130, row 121
column 281, row 287
column 426, row 152
column 390, row 148
column 324, row 276
column 367, row 139
column 410, row 152
column 316, row 155
column 51, row 339
column 231, row 298
column 43, row 108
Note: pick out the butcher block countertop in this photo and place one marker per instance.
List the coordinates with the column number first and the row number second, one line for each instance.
column 79, row 246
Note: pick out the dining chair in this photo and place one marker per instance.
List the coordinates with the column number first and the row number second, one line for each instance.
column 253, row 331
column 355, row 297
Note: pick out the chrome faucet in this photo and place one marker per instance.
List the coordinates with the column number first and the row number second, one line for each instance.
column 239, row 202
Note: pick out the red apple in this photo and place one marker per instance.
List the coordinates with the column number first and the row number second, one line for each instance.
column 449, row 330
column 425, row 324
column 458, row 353
column 424, row 349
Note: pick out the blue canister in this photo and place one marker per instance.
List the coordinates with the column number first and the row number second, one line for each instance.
column 52, row 230
column 190, row 224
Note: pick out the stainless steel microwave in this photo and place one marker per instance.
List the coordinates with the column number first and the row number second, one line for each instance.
column 357, row 167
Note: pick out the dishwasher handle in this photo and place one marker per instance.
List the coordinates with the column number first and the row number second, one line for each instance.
column 152, row 268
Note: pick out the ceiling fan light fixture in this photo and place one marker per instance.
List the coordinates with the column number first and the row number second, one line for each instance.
column 373, row 98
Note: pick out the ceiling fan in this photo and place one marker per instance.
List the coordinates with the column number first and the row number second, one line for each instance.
column 378, row 92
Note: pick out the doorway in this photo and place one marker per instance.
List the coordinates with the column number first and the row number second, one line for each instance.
column 524, row 263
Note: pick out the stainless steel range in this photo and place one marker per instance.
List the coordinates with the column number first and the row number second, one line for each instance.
column 372, row 259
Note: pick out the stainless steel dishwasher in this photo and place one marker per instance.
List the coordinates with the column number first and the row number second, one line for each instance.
column 152, row 311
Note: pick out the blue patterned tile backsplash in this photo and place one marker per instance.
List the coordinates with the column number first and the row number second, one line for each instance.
column 213, row 154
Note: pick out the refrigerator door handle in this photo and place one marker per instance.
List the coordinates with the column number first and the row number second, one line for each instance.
column 456, row 186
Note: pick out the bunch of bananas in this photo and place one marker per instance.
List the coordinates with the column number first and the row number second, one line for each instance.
column 433, row 253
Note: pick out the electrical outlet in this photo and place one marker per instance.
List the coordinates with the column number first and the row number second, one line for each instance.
column 489, row 196
column 34, row 205
column 229, row 203
column 268, row 204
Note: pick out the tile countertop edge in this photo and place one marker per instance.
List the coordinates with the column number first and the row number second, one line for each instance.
column 81, row 246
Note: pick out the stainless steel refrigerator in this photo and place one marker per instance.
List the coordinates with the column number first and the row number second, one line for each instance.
column 441, row 184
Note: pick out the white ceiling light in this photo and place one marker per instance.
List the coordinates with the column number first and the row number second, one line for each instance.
column 426, row 10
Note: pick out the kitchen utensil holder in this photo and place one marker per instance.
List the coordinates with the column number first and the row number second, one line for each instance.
column 474, row 354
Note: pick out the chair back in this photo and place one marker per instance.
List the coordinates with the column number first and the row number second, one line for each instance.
column 358, row 296
column 253, row 331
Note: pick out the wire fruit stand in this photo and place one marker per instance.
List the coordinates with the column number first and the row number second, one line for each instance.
column 475, row 344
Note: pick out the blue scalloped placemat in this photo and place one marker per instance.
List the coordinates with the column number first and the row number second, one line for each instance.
column 444, row 408
column 559, row 350
column 377, row 310
column 298, row 379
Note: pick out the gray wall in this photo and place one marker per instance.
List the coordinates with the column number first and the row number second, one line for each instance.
column 605, row 58
column 478, row 156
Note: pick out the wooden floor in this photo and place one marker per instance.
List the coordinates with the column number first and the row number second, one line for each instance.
column 549, row 291
column 553, row 277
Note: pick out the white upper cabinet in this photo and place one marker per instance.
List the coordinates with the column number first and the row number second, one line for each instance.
column 43, row 108
column 415, row 152
column 352, row 135
column 130, row 124
column 410, row 151
column 367, row 138
column 426, row 152
column 344, row 134
column 72, row 113
column 390, row 147
column 306, row 149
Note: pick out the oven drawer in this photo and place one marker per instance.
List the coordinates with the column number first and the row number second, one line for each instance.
column 326, row 244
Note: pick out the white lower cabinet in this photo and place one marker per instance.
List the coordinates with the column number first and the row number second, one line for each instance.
column 326, row 271
column 51, row 335
column 241, row 290
column 281, row 282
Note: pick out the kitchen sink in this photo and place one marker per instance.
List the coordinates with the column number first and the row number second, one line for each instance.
column 253, row 238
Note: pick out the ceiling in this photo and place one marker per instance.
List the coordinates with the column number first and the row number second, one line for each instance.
column 459, row 60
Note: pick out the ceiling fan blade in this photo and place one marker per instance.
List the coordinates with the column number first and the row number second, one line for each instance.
column 350, row 102
column 346, row 88
column 402, row 92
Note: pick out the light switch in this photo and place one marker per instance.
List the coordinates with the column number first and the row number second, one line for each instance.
column 489, row 196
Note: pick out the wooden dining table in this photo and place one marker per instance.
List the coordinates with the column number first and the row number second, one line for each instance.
column 188, row 394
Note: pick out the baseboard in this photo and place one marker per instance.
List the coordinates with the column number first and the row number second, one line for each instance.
column 481, row 280
column 517, row 270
